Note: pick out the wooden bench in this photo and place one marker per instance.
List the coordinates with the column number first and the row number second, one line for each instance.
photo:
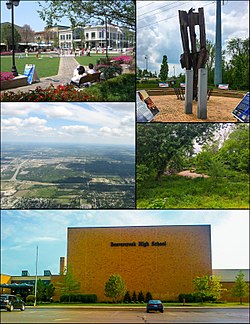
column 95, row 77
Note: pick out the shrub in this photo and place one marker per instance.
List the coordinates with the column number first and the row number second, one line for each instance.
column 79, row 298
column 109, row 71
column 127, row 298
column 134, row 297
column 148, row 296
column 51, row 93
column 189, row 298
column 30, row 298
column 140, row 297
column 123, row 59
column 121, row 88
column 6, row 76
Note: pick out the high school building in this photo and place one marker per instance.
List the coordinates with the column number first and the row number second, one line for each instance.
column 160, row 259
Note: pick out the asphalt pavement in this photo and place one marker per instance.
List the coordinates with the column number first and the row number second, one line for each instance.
column 130, row 315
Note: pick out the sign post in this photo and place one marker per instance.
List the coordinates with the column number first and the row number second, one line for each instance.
column 31, row 73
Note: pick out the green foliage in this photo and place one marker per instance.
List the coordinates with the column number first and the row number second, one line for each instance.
column 141, row 297
column 115, row 287
column 240, row 288
column 235, row 151
column 30, row 298
column 121, row 88
column 68, row 284
column 79, row 298
column 181, row 192
column 6, row 36
column 207, row 288
column 236, row 72
column 44, row 291
column 134, row 297
column 163, row 75
column 79, row 12
column 127, row 298
column 148, row 296
column 161, row 144
column 142, row 172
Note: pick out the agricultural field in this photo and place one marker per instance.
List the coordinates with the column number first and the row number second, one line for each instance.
column 58, row 176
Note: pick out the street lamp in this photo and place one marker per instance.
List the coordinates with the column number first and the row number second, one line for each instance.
column 10, row 5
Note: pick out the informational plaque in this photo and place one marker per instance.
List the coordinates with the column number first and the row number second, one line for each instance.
column 145, row 108
column 241, row 112
column 31, row 73
column 163, row 84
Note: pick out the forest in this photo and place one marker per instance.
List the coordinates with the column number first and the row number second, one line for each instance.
column 192, row 165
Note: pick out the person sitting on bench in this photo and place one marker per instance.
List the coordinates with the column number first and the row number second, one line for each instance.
column 91, row 69
column 76, row 79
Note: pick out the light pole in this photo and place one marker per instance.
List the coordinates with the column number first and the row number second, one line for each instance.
column 10, row 5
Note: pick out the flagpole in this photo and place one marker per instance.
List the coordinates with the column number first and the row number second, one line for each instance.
column 36, row 275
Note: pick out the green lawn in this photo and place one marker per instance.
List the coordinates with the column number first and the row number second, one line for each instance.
column 179, row 192
column 45, row 65
column 85, row 60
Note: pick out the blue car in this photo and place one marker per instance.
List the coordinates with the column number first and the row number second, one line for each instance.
column 155, row 305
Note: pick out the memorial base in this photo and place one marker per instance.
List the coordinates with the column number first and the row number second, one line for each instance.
column 19, row 81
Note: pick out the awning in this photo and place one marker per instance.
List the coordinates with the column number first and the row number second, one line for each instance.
column 15, row 285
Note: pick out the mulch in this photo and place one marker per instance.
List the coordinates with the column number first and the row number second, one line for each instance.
column 219, row 109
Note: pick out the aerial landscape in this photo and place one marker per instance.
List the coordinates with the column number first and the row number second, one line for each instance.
column 67, row 156
column 67, row 176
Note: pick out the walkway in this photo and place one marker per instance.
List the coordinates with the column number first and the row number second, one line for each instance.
column 65, row 73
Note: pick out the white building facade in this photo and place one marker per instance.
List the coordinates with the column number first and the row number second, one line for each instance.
column 95, row 37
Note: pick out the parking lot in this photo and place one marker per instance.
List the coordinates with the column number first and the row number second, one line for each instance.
column 171, row 315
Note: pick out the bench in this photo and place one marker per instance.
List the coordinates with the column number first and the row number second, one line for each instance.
column 180, row 93
column 95, row 77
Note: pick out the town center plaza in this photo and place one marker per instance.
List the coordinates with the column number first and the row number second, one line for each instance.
column 162, row 260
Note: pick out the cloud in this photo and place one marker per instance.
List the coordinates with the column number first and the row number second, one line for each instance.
column 75, row 130
column 158, row 31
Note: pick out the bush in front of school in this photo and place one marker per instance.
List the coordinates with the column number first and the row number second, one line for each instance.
column 79, row 298
column 30, row 299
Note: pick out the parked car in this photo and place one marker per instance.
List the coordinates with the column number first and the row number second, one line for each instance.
column 11, row 302
column 155, row 305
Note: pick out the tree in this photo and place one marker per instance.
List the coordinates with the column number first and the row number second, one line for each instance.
column 80, row 12
column 148, row 296
column 163, row 145
column 44, row 290
column 235, row 151
column 240, row 288
column 27, row 34
column 237, row 70
column 127, row 298
column 6, row 36
column 68, row 284
column 163, row 75
column 140, row 297
column 134, row 297
column 208, row 288
column 115, row 287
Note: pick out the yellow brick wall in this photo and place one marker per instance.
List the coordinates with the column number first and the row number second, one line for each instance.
column 227, row 295
column 165, row 271
column 5, row 279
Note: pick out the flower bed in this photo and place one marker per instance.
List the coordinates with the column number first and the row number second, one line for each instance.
column 6, row 76
column 123, row 59
column 51, row 93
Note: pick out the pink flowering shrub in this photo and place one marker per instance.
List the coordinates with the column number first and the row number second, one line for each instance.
column 6, row 76
column 123, row 59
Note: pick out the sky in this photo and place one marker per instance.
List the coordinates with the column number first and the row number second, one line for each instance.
column 22, row 231
column 26, row 13
column 90, row 123
column 158, row 31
